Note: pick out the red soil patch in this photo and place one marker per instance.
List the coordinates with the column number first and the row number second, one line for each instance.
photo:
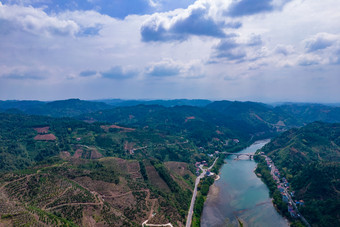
column 78, row 153
column 121, row 164
column 129, row 146
column 95, row 154
column 180, row 168
column 64, row 154
column 46, row 137
column 107, row 127
column 257, row 117
column 126, row 166
column 219, row 132
column 134, row 169
column 190, row 118
column 155, row 179
column 294, row 150
column 280, row 123
column 42, row 130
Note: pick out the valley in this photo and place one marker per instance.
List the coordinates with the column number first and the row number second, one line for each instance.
column 124, row 165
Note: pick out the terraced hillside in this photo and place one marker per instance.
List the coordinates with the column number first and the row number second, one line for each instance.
column 125, row 165
column 103, row 192
column 93, row 174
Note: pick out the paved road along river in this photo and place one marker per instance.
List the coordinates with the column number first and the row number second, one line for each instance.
column 239, row 193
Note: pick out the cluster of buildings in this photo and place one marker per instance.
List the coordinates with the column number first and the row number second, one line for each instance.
column 197, row 165
column 291, row 210
column 208, row 173
column 283, row 187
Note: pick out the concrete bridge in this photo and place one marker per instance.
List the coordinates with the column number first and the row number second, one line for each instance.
column 250, row 155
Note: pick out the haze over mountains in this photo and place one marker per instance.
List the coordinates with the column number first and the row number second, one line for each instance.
column 290, row 113
column 119, row 162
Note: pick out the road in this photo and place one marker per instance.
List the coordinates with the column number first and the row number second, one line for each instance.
column 146, row 224
column 194, row 194
column 297, row 210
column 287, row 193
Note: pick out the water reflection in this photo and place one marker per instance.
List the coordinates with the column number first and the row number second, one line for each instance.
column 240, row 195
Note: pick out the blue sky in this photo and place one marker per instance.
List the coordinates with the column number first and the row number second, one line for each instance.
column 263, row 50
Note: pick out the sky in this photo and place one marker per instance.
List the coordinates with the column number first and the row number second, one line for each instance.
column 247, row 50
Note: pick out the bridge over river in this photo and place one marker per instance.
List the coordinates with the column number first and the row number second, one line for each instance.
column 250, row 155
column 240, row 194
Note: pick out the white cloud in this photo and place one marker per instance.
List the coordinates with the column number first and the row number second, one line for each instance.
column 309, row 59
column 164, row 68
column 321, row 41
column 35, row 21
column 247, row 52
column 238, row 49
column 170, row 68
column 203, row 18
column 284, row 49
column 118, row 73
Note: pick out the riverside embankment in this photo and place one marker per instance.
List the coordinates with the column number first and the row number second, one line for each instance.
column 240, row 195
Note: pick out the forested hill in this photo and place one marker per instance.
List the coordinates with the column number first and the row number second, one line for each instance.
column 309, row 157
column 254, row 113
column 26, row 140
column 166, row 103
column 301, row 114
column 53, row 169
column 290, row 115
column 62, row 108
column 198, row 121
column 74, row 107
column 65, row 172
column 247, row 119
column 61, row 170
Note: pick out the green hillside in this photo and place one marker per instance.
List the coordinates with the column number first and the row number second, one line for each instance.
column 250, row 115
column 309, row 158
column 119, row 165
column 62, row 171
column 201, row 123
column 166, row 103
column 68, row 172
column 300, row 114
column 61, row 108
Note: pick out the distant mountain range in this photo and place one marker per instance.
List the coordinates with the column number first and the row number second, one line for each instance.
column 74, row 107
column 56, row 155
column 62, row 108
column 246, row 119
column 166, row 103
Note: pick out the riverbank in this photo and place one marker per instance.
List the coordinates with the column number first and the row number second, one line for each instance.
column 204, row 189
column 240, row 195
column 281, row 206
column 212, row 190
column 197, row 205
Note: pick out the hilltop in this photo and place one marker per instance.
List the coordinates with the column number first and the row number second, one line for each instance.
column 60, row 108
column 91, row 173
column 122, row 165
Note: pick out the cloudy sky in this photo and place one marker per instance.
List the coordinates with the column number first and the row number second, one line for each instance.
column 259, row 50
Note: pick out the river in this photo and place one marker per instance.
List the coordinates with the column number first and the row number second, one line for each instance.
column 239, row 193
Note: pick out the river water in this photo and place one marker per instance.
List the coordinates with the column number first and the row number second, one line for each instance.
column 239, row 193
